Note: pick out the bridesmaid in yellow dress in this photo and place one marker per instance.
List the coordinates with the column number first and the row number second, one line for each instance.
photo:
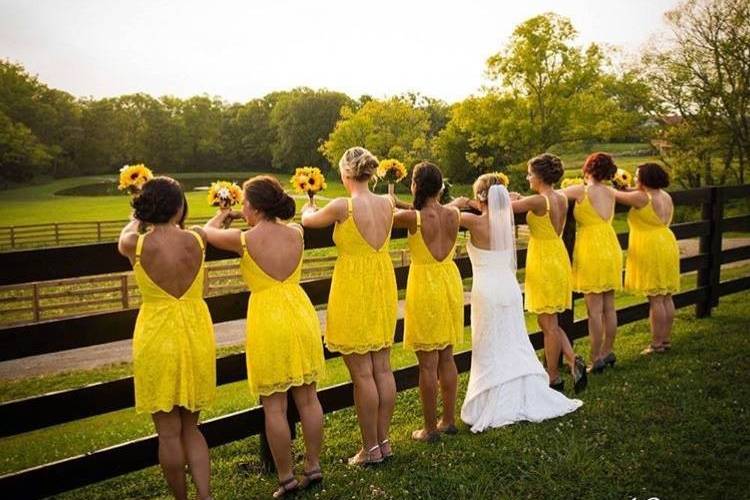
column 284, row 348
column 652, row 266
column 434, row 316
column 174, row 351
column 548, row 284
column 597, row 256
column 362, row 303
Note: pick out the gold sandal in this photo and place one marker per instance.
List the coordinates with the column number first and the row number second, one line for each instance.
column 364, row 458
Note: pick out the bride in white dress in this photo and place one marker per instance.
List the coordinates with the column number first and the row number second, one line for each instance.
column 507, row 383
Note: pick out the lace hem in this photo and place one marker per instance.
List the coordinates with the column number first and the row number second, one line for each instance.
column 357, row 349
column 267, row 390
column 438, row 346
column 653, row 291
column 548, row 310
column 597, row 289
column 151, row 409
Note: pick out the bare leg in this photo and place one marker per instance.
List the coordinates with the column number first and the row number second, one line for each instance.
column 311, row 417
column 278, row 433
column 548, row 324
column 656, row 315
column 366, row 399
column 196, row 452
column 610, row 322
column 171, row 453
column 428, row 387
column 668, row 305
column 386, row 384
column 595, row 304
column 448, row 375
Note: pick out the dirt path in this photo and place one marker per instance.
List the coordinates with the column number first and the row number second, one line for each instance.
column 230, row 333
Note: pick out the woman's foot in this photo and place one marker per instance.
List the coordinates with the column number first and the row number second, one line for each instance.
column 285, row 487
column 445, row 428
column 426, row 436
column 610, row 359
column 597, row 367
column 667, row 345
column 311, row 478
column 580, row 379
column 653, row 349
column 369, row 457
column 558, row 384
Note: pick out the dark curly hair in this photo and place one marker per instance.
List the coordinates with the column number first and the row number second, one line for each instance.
column 600, row 166
column 159, row 201
column 265, row 194
column 428, row 181
column 548, row 167
column 652, row 175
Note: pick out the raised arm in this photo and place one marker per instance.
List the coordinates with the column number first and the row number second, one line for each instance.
column 533, row 203
column 314, row 217
column 573, row 192
column 224, row 239
column 637, row 199
column 405, row 218
column 128, row 239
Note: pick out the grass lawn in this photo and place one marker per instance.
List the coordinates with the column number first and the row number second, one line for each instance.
column 665, row 427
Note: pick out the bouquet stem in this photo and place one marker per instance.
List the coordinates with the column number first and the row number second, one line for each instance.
column 391, row 188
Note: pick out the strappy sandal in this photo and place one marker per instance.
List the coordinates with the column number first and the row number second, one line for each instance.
column 598, row 367
column 666, row 345
column 426, row 436
column 558, row 385
column 385, row 449
column 291, row 485
column 653, row 349
column 364, row 458
column 311, row 478
column 451, row 429
column 580, row 378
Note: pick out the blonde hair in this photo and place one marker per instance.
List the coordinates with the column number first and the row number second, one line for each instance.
column 358, row 163
column 483, row 183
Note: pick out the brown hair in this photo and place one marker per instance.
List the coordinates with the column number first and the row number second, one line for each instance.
column 547, row 167
column 600, row 166
column 265, row 194
column 160, row 199
column 652, row 175
column 358, row 163
column 483, row 184
column 428, row 181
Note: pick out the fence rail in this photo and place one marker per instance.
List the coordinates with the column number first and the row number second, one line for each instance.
column 63, row 406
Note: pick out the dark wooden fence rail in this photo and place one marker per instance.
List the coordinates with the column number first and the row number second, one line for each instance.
column 63, row 406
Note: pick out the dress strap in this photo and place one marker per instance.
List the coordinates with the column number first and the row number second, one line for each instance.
column 419, row 220
column 299, row 229
column 546, row 200
column 199, row 238
column 349, row 206
column 244, row 243
column 139, row 247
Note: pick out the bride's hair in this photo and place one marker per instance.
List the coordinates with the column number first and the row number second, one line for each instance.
column 358, row 163
column 483, row 184
column 428, row 181
column 265, row 194
column 159, row 200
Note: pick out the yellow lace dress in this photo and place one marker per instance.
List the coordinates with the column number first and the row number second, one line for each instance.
column 283, row 343
column 548, row 285
column 363, row 300
column 652, row 266
column 434, row 316
column 597, row 256
column 174, row 350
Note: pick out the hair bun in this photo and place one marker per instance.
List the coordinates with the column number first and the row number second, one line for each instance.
column 358, row 163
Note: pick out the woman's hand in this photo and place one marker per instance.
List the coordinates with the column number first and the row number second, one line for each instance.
column 460, row 202
column 310, row 206
column 514, row 196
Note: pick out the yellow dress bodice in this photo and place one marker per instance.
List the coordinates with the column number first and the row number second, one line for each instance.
column 434, row 315
column 652, row 266
column 548, row 282
column 363, row 300
column 597, row 256
column 283, row 346
column 174, row 350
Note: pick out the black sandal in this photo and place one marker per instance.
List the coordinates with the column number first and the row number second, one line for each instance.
column 610, row 359
column 284, row 487
column 580, row 378
column 311, row 478
column 558, row 385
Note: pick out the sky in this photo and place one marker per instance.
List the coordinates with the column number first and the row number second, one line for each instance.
column 240, row 50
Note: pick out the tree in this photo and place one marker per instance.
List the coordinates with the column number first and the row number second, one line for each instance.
column 248, row 136
column 393, row 128
column 21, row 153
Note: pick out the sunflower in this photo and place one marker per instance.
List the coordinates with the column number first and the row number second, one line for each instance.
column 501, row 177
column 391, row 171
column 133, row 177
column 308, row 180
column 571, row 181
column 224, row 194
column 622, row 179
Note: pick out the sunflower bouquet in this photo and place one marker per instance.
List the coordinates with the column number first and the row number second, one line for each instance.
column 622, row 179
column 504, row 180
column 133, row 177
column 308, row 180
column 224, row 194
column 571, row 181
column 391, row 171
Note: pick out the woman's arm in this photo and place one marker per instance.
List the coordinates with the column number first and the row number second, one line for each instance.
column 533, row 203
column 224, row 239
column 128, row 239
column 405, row 218
column 335, row 211
column 637, row 199
column 573, row 192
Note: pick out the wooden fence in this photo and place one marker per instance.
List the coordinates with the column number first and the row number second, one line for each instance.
column 58, row 407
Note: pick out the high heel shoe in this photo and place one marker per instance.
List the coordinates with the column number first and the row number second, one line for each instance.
column 558, row 384
column 580, row 378
column 610, row 359
column 597, row 367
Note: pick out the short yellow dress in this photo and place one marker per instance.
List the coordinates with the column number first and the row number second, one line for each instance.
column 284, row 347
column 434, row 316
column 652, row 266
column 174, row 349
column 363, row 301
column 597, row 256
column 548, row 288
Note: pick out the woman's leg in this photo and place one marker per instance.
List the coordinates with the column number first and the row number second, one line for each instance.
column 311, row 417
column 656, row 319
column 668, row 305
column 366, row 399
column 428, row 387
column 278, row 433
column 448, row 375
column 386, row 387
column 171, row 453
column 594, row 305
column 548, row 324
column 196, row 453
column 610, row 322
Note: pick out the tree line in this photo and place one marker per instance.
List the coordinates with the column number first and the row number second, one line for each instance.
column 688, row 96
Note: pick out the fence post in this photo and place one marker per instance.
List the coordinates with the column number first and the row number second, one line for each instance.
column 713, row 211
column 98, row 231
column 57, row 234
column 124, row 291
column 35, row 301
column 12, row 237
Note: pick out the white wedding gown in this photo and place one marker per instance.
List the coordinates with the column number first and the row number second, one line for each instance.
column 507, row 382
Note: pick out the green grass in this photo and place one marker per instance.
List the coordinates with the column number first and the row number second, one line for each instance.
column 671, row 426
